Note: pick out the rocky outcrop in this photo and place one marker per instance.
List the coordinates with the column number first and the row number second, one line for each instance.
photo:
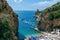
column 8, row 22
column 49, row 18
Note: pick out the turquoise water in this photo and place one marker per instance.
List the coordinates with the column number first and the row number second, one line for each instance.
column 26, row 21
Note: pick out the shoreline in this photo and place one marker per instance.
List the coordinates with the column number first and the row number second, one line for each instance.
column 50, row 35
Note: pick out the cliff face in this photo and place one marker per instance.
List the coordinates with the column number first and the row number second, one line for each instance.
column 8, row 22
column 49, row 18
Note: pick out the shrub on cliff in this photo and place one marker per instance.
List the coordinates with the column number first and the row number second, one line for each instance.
column 5, row 29
column 8, row 22
column 50, row 18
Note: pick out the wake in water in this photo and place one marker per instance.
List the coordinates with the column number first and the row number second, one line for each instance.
column 29, row 22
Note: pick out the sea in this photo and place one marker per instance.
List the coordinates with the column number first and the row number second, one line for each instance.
column 27, row 21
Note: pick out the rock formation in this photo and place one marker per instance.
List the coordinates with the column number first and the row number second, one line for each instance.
column 49, row 18
column 8, row 22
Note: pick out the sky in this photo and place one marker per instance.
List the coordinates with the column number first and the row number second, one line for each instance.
column 31, row 4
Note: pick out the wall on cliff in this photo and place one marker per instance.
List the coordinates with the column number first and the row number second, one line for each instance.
column 49, row 18
column 8, row 22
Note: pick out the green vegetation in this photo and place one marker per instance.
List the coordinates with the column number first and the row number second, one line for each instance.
column 49, row 18
column 8, row 22
column 5, row 29
column 53, row 8
column 54, row 15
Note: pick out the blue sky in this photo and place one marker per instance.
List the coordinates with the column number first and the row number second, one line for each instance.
column 31, row 4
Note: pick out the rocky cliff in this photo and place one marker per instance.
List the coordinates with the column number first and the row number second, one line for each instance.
column 8, row 22
column 49, row 18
